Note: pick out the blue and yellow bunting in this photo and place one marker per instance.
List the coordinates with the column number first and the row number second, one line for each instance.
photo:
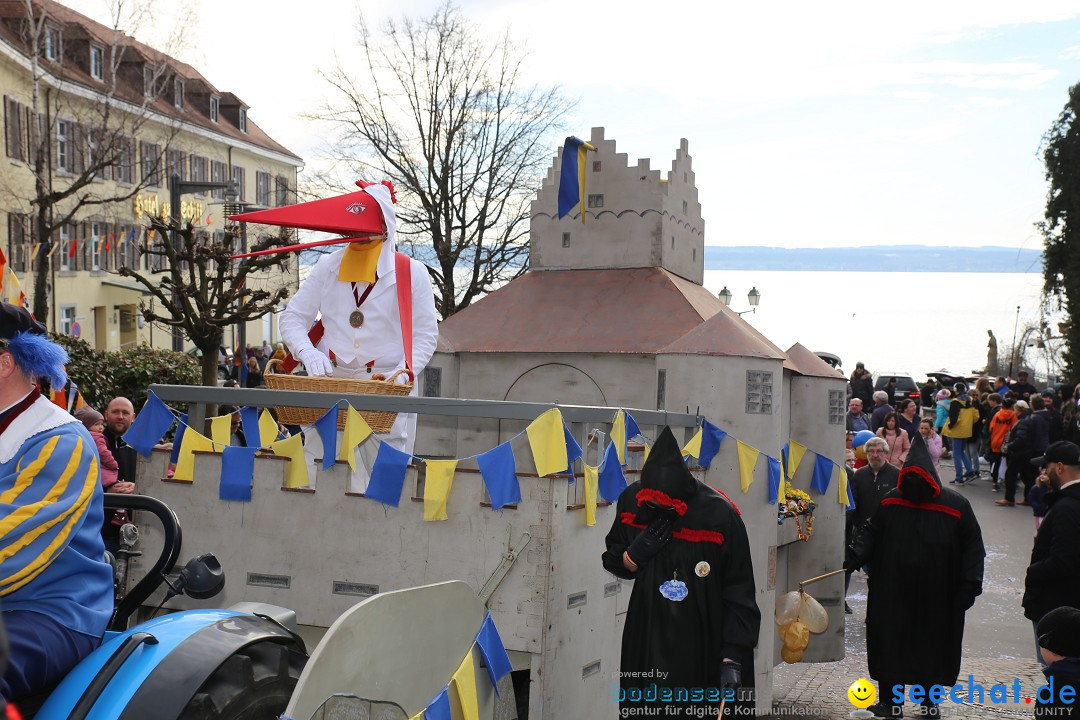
column 499, row 472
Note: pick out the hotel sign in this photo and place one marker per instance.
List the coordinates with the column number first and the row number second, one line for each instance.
column 148, row 204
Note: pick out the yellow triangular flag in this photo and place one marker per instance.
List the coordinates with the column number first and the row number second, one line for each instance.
column 748, row 457
column 796, row 450
column 647, row 450
column 438, row 478
column 781, row 492
column 591, row 474
column 548, row 443
column 220, row 431
column 292, row 448
column 618, row 436
column 693, row 448
column 185, row 463
column 268, row 429
column 465, row 682
column 841, row 486
column 356, row 431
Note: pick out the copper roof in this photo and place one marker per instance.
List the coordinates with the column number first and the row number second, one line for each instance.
column 809, row 364
column 76, row 26
column 618, row 310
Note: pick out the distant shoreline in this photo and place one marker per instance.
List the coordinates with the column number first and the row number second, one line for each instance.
column 876, row 258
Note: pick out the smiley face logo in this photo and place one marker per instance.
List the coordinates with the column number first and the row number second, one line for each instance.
column 861, row 694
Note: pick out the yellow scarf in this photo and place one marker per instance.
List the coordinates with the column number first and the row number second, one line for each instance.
column 359, row 261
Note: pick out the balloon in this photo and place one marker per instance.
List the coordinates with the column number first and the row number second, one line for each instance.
column 789, row 655
column 860, row 438
column 860, row 452
column 787, row 608
column 812, row 615
column 796, row 635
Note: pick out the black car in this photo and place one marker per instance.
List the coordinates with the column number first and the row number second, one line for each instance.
column 904, row 389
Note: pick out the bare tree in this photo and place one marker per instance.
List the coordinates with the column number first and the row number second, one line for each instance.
column 202, row 290
column 449, row 118
column 77, row 140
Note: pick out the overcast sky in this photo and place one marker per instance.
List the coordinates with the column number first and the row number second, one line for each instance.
column 810, row 124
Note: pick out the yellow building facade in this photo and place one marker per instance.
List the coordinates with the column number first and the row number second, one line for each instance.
column 101, row 92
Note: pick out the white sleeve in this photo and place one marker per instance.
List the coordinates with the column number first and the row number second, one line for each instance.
column 300, row 313
column 425, row 318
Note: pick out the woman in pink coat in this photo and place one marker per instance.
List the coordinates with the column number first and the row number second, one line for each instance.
column 896, row 437
column 932, row 440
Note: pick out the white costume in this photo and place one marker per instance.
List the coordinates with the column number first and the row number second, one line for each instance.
column 379, row 339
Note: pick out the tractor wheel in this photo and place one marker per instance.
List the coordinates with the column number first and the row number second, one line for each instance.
column 253, row 684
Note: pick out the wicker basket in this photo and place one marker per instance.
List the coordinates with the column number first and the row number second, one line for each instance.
column 379, row 420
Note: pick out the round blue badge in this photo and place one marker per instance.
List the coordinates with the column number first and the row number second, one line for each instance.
column 674, row 590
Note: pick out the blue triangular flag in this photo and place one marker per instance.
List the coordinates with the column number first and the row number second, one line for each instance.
column 850, row 497
column 499, row 471
column 632, row 430
column 237, row 470
column 388, row 475
column 774, row 479
column 439, row 708
column 174, row 456
column 822, row 474
column 249, row 420
column 327, row 427
column 711, row 437
column 611, row 482
column 573, row 451
column 152, row 422
column 785, row 459
column 496, row 660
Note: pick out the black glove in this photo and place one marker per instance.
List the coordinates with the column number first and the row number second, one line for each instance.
column 730, row 674
column 851, row 565
column 650, row 541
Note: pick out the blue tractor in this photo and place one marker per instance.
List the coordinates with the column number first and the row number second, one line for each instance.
column 193, row 665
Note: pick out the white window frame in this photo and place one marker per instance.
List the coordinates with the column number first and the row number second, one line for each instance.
column 97, row 239
column 65, row 248
column 178, row 93
column 52, row 43
column 67, row 318
column 242, row 116
column 63, row 146
column 97, row 62
column 215, row 107
column 148, row 81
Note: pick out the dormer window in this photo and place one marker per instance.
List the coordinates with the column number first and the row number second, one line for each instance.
column 97, row 62
column 52, row 43
column 178, row 93
column 243, row 120
column 215, row 106
column 148, row 81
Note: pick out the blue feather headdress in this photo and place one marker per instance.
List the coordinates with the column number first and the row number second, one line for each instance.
column 38, row 356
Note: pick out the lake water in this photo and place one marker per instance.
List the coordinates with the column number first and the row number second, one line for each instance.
column 901, row 322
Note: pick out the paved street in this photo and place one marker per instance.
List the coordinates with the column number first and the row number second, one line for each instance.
column 998, row 642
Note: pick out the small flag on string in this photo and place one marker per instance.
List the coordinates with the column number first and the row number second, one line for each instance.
column 185, row 464
column 439, row 708
column 326, row 426
column 388, row 475
column 493, row 651
column 356, row 431
column 221, row 430
column 178, row 441
column 611, row 481
column 249, row 421
column 72, row 247
column 843, row 487
column 711, row 437
column 293, row 448
column 573, row 452
column 632, row 429
column 591, row 482
column 618, row 435
column 499, row 472
column 15, row 293
column 797, row 452
column 774, row 479
column 438, row 479
column 823, row 468
column 152, row 422
column 237, row 473
column 548, row 443
column 268, row 428
column 693, row 447
column 464, row 681
column 748, row 457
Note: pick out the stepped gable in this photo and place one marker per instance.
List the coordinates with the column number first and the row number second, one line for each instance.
column 630, row 310
column 726, row 334
column 807, row 363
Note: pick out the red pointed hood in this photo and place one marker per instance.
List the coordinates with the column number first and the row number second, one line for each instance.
column 353, row 215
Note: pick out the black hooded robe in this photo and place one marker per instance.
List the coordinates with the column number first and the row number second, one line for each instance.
column 686, row 641
column 925, row 551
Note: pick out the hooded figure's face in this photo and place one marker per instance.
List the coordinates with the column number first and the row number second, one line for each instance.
column 667, row 485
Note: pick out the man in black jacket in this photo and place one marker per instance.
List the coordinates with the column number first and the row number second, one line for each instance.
column 1053, row 577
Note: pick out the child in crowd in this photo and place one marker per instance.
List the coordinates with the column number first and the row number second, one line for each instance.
column 1058, row 633
column 1036, row 498
column 932, row 440
column 95, row 423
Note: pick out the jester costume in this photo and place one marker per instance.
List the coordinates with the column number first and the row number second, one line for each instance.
column 55, row 586
column 693, row 605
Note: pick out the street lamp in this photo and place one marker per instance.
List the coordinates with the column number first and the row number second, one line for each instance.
column 753, row 297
